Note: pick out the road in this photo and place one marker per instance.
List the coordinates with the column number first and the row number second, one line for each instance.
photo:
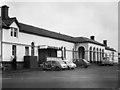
column 92, row 77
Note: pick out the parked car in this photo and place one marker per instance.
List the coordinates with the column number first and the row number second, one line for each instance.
column 83, row 63
column 54, row 65
column 69, row 64
column 107, row 61
column 2, row 67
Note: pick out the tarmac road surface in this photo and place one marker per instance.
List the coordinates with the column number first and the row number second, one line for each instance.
column 91, row 77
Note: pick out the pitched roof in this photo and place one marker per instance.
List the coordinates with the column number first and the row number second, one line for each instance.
column 46, row 33
column 8, row 22
column 87, row 40
column 42, row 32
column 108, row 48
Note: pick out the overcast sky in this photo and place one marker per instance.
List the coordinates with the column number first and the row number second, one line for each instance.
column 77, row 19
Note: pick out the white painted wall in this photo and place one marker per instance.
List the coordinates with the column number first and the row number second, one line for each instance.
column 25, row 39
column 96, row 46
column 116, row 57
column 85, row 45
column 110, row 55
column 7, row 52
column 87, row 48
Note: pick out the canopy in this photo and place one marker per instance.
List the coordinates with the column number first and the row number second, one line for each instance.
column 49, row 47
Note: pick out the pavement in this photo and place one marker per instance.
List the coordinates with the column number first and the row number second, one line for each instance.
column 91, row 77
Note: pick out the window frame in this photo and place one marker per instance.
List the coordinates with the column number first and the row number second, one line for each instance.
column 14, row 50
column 14, row 32
column 27, row 52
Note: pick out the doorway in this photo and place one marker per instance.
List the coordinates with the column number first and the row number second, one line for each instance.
column 81, row 53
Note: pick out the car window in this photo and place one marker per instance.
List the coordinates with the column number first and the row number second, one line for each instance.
column 53, row 62
column 49, row 62
column 65, row 62
column 61, row 62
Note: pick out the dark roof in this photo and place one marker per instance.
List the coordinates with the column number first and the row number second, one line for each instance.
column 8, row 22
column 108, row 48
column 87, row 40
column 43, row 32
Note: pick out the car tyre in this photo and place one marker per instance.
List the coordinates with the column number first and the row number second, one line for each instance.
column 86, row 66
column 58, row 68
column 68, row 68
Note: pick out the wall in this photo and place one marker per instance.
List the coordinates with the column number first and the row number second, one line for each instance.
column 96, row 46
column 25, row 39
column 110, row 54
column 87, row 49
column 85, row 45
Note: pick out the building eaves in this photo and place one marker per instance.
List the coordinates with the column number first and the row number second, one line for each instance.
column 43, row 32
column 87, row 40
column 9, row 21
column 109, row 48
column 46, row 33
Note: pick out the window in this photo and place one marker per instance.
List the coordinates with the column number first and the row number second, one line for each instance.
column 14, row 32
column 14, row 50
column 64, row 52
column 32, row 49
column 11, row 33
column 26, row 51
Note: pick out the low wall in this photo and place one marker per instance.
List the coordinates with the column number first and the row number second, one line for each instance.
column 8, row 65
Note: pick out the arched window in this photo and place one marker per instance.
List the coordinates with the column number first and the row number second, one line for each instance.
column 97, row 55
column 94, row 54
column 90, row 54
column 102, row 53
column 32, row 49
column 65, row 52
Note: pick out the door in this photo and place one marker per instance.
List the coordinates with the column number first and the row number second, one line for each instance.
column 42, row 53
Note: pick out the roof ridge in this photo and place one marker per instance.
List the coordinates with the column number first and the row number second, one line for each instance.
column 46, row 30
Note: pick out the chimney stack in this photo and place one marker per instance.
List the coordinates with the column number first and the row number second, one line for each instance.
column 105, row 42
column 92, row 37
column 4, row 12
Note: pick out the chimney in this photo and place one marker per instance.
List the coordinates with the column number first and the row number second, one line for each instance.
column 92, row 37
column 105, row 42
column 4, row 12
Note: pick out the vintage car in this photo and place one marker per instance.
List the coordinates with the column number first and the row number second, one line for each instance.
column 69, row 64
column 107, row 61
column 82, row 62
column 54, row 65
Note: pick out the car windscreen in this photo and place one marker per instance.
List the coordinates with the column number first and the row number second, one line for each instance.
column 61, row 62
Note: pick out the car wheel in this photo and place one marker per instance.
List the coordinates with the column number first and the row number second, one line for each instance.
column 86, row 66
column 68, row 68
column 58, row 68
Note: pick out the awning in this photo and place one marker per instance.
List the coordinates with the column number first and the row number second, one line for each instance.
column 48, row 47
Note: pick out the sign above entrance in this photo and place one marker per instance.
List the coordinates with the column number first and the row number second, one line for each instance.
column 48, row 47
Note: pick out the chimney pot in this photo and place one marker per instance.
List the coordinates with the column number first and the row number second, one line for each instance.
column 105, row 42
column 92, row 37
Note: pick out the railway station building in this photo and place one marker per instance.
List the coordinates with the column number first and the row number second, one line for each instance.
column 20, row 40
